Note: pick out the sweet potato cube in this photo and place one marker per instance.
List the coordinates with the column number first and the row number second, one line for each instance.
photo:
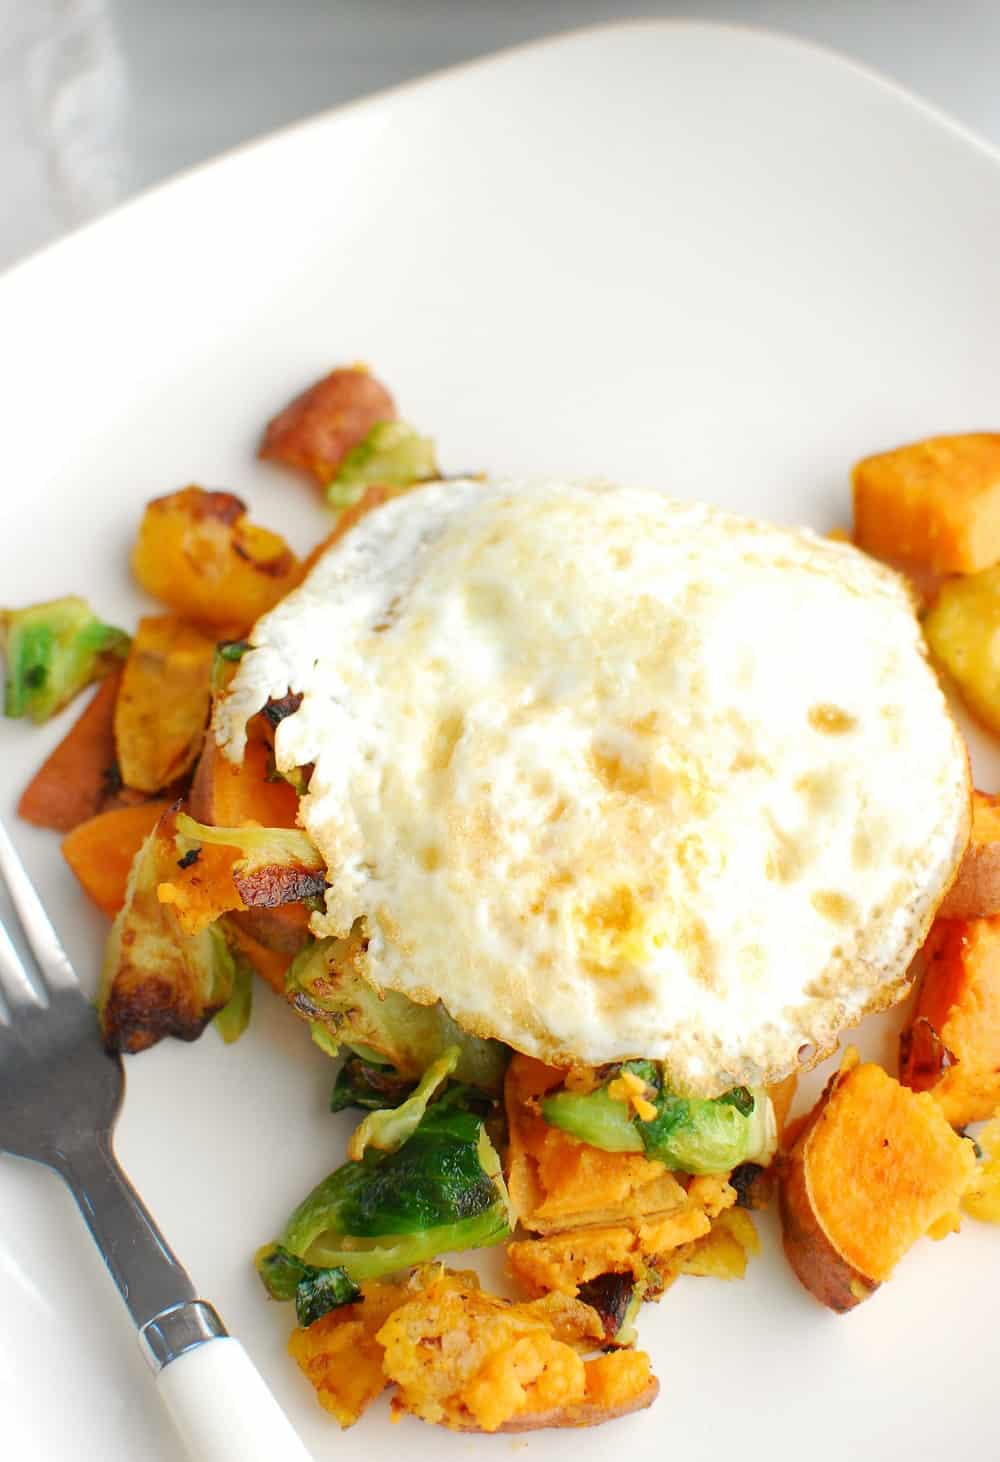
column 952, row 1046
column 876, row 1167
column 934, row 503
column 101, row 850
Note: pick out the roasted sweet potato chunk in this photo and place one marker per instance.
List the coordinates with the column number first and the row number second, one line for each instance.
column 101, row 851
column 935, row 503
column 876, row 1167
column 951, row 1048
column 199, row 554
column 163, row 702
column 318, row 428
column 72, row 784
column 976, row 890
column 232, row 794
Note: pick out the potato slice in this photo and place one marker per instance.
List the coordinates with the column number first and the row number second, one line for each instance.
column 963, row 632
column 935, row 503
column 198, row 553
column 163, row 703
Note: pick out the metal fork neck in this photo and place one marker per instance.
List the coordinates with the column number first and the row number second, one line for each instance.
column 150, row 1278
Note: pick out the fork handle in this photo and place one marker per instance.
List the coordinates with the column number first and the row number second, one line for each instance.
column 220, row 1405
column 222, row 1409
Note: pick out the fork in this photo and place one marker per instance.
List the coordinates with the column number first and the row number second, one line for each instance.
column 60, row 1095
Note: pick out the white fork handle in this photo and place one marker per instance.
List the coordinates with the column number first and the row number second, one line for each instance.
column 222, row 1408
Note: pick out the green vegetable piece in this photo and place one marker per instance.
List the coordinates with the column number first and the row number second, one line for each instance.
column 321, row 1037
column 741, row 1097
column 593, row 1117
column 389, row 1128
column 315, row 1291
column 385, row 1028
column 688, row 1134
column 325, row 1290
column 441, row 1190
column 368, row 1085
column 280, row 1272
column 391, row 455
column 227, row 656
column 52, row 651
column 262, row 847
column 234, row 1017
column 232, row 650
column 157, row 980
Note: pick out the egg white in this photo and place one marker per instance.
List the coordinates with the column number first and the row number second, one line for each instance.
column 613, row 775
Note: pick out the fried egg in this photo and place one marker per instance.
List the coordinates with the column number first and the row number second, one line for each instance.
column 613, row 775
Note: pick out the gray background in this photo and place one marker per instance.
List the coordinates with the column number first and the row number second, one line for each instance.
column 100, row 98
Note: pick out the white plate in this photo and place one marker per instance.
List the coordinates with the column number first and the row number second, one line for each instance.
column 705, row 258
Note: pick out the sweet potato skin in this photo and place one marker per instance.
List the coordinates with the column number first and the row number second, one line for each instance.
column 269, row 964
column 318, row 428
column 823, row 1272
column 933, row 503
column 592, row 1410
column 875, row 1167
column 100, row 851
column 975, row 893
column 951, row 1047
column 198, row 553
column 71, row 785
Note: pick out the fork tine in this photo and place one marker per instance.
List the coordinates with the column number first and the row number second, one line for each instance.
column 15, row 986
column 43, row 940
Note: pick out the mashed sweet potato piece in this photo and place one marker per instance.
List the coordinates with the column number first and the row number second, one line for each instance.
column 467, row 1359
column 593, row 1212
column 556, row 1182
column 472, row 1361
column 340, row 1355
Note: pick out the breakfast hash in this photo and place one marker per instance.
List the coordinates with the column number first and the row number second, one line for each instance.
column 575, row 822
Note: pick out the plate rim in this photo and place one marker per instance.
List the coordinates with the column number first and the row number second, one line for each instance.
column 491, row 60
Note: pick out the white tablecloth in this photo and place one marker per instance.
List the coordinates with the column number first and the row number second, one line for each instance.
column 99, row 98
